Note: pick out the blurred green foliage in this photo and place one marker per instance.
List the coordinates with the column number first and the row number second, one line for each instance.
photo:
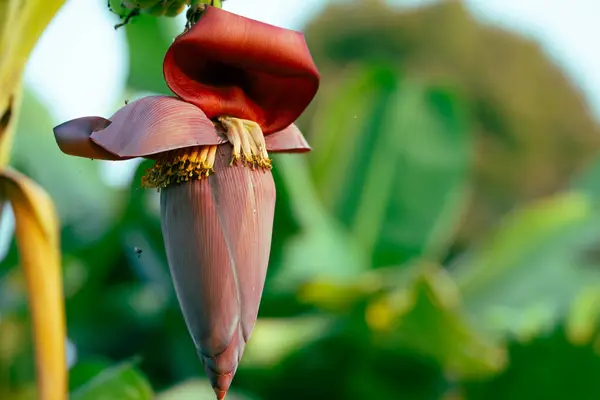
column 436, row 244
column 531, row 128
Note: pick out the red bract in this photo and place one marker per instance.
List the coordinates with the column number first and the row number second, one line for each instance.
column 153, row 125
column 231, row 65
column 241, row 85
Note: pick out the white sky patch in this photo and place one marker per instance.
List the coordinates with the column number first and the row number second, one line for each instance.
column 118, row 174
column 78, row 66
column 7, row 226
column 290, row 14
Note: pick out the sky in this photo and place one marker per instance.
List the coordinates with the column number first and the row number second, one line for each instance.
column 74, row 78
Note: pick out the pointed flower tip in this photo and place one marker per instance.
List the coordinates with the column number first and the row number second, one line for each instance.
column 220, row 369
column 220, row 382
column 231, row 65
column 220, row 393
column 222, row 385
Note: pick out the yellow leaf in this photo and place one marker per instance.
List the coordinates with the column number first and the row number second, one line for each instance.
column 8, row 123
column 427, row 317
column 38, row 243
column 582, row 322
column 21, row 24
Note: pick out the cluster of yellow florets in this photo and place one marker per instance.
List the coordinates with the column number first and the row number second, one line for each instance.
column 248, row 147
column 180, row 166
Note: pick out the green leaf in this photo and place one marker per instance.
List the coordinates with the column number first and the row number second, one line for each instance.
column 390, row 161
column 427, row 137
column 332, row 252
column 195, row 390
column 190, row 390
column 526, row 275
column 347, row 363
column 584, row 317
column 275, row 338
column 285, row 222
column 148, row 39
column 426, row 317
column 121, row 382
column 86, row 370
column 549, row 367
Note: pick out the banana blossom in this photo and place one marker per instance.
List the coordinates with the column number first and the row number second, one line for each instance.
column 239, row 85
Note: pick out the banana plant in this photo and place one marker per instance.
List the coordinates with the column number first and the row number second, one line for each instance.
column 21, row 24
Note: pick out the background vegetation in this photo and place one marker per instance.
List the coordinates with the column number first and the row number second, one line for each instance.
column 440, row 242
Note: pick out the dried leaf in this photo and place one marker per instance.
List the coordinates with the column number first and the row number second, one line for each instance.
column 38, row 243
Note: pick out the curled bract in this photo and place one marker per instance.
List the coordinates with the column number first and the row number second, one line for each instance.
column 153, row 125
column 235, row 66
